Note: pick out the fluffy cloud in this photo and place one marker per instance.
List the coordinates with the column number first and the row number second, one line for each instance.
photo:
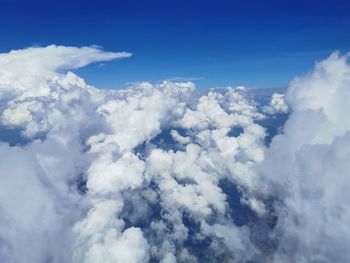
column 165, row 172
column 39, row 62
column 306, row 167
column 99, row 163
column 276, row 105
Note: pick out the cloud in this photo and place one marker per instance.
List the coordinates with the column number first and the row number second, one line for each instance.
column 29, row 71
column 276, row 105
column 167, row 173
column 111, row 191
column 306, row 167
column 36, row 203
column 37, row 60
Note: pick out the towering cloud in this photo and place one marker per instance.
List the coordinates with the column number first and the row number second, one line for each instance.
column 167, row 173
column 307, row 167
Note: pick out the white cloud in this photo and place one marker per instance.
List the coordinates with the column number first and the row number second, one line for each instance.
column 101, row 238
column 237, row 239
column 276, row 105
column 179, row 138
column 36, row 61
column 98, row 181
column 33, row 72
column 36, row 208
column 307, row 167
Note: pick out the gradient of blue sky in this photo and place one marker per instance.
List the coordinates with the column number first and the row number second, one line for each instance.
column 216, row 43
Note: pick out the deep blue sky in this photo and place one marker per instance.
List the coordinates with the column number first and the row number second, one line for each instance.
column 238, row 42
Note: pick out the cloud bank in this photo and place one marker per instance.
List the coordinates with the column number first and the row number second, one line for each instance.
column 169, row 172
column 309, row 162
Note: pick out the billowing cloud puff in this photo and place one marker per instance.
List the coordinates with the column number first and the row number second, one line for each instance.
column 276, row 105
column 307, row 169
column 165, row 172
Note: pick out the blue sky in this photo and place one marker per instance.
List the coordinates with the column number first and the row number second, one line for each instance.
column 215, row 43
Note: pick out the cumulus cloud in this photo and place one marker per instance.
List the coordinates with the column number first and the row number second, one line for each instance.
column 167, row 173
column 306, row 167
column 30, row 72
column 277, row 105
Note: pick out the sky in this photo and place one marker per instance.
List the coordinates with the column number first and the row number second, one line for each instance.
column 171, row 171
column 213, row 43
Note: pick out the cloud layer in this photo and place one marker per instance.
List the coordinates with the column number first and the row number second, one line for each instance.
column 167, row 172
